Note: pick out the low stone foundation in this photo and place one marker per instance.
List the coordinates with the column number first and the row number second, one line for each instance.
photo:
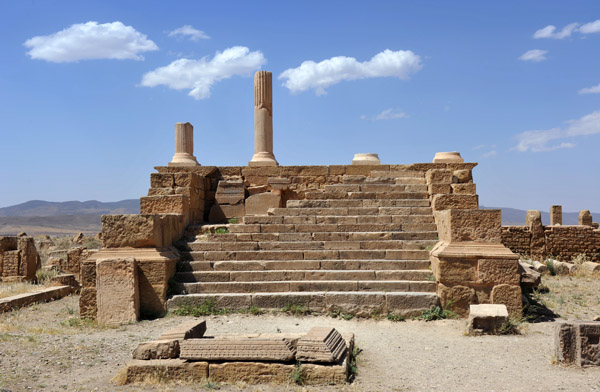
column 19, row 259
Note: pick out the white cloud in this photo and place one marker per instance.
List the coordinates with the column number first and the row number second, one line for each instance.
column 537, row 141
column 363, row 117
column 592, row 27
column 482, row 146
column 590, row 90
column 390, row 114
column 189, row 31
column 535, row 55
column 489, row 154
column 550, row 31
column 87, row 41
column 319, row 76
column 200, row 75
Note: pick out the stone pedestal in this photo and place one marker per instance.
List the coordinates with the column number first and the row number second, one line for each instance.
column 585, row 218
column 366, row 159
column 448, row 157
column 184, row 146
column 263, row 120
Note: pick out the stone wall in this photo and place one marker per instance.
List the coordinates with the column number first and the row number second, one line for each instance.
column 19, row 259
column 560, row 242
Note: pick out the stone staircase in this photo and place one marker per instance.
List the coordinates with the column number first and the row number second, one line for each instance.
column 359, row 247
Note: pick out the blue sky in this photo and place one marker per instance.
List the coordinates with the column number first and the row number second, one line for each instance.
column 90, row 91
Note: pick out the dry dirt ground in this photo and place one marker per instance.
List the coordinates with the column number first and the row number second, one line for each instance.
column 47, row 347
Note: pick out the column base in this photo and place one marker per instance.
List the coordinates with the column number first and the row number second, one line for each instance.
column 183, row 159
column 263, row 159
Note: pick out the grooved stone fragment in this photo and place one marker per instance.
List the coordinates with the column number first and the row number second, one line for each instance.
column 158, row 349
column 194, row 329
column 321, row 344
column 241, row 349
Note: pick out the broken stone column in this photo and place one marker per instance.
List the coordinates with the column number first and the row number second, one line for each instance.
column 366, row 159
column 555, row 215
column 448, row 157
column 263, row 120
column 537, row 246
column 585, row 218
column 184, row 146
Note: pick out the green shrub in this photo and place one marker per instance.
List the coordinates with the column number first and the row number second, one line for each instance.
column 437, row 313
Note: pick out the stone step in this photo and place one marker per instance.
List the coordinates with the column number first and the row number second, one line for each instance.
column 336, row 203
column 363, row 303
column 307, row 245
column 348, row 211
column 325, row 254
column 321, row 236
column 323, row 227
column 289, row 275
column 334, row 219
column 270, row 265
column 327, row 195
column 393, row 187
column 305, row 285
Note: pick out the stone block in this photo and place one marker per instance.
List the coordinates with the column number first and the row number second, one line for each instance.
column 157, row 349
column 160, row 370
column 359, row 304
column 160, row 191
column 588, row 343
column 260, row 203
column 590, row 268
column 321, row 344
column 470, row 225
column 117, row 291
column 510, row 296
column 457, row 298
column 193, row 329
column 158, row 180
column 88, row 273
column 230, row 192
column 191, row 180
column 88, row 303
column 585, row 218
column 167, row 204
column 486, row 318
column 464, row 189
column 533, row 220
column 460, row 202
column 437, row 189
column 439, row 176
column 240, row 349
column 251, row 372
column 141, row 231
column 462, row 176
column 222, row 212
column 498, row 271
column 455, row 270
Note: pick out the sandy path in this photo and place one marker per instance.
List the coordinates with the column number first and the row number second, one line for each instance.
column 40, row 350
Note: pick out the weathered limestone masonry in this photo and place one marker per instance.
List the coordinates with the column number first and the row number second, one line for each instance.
column 560, row 242
column 19, row 259
column 470, row 263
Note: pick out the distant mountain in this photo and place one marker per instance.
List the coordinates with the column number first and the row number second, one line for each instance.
column 513, row 216
column 61, row 218
column 40, row 208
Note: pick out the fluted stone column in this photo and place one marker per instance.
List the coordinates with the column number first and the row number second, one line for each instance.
column 184, row 146
column 263, row 120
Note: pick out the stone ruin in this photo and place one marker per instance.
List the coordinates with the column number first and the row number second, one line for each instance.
column 19, row 259
column 365, row 238
column 534, row 240
column 321, row 356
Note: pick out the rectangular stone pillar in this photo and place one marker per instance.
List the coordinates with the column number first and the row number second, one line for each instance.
column 555, row 215
column 585, row 218
column 117, row 292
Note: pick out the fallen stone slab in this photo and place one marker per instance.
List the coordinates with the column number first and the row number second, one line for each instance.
column 157, row 349
column 486, row 318
column 165, row 369
column 44, row 295
column 193, row 329
column 321, row 344
column 241, row 349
